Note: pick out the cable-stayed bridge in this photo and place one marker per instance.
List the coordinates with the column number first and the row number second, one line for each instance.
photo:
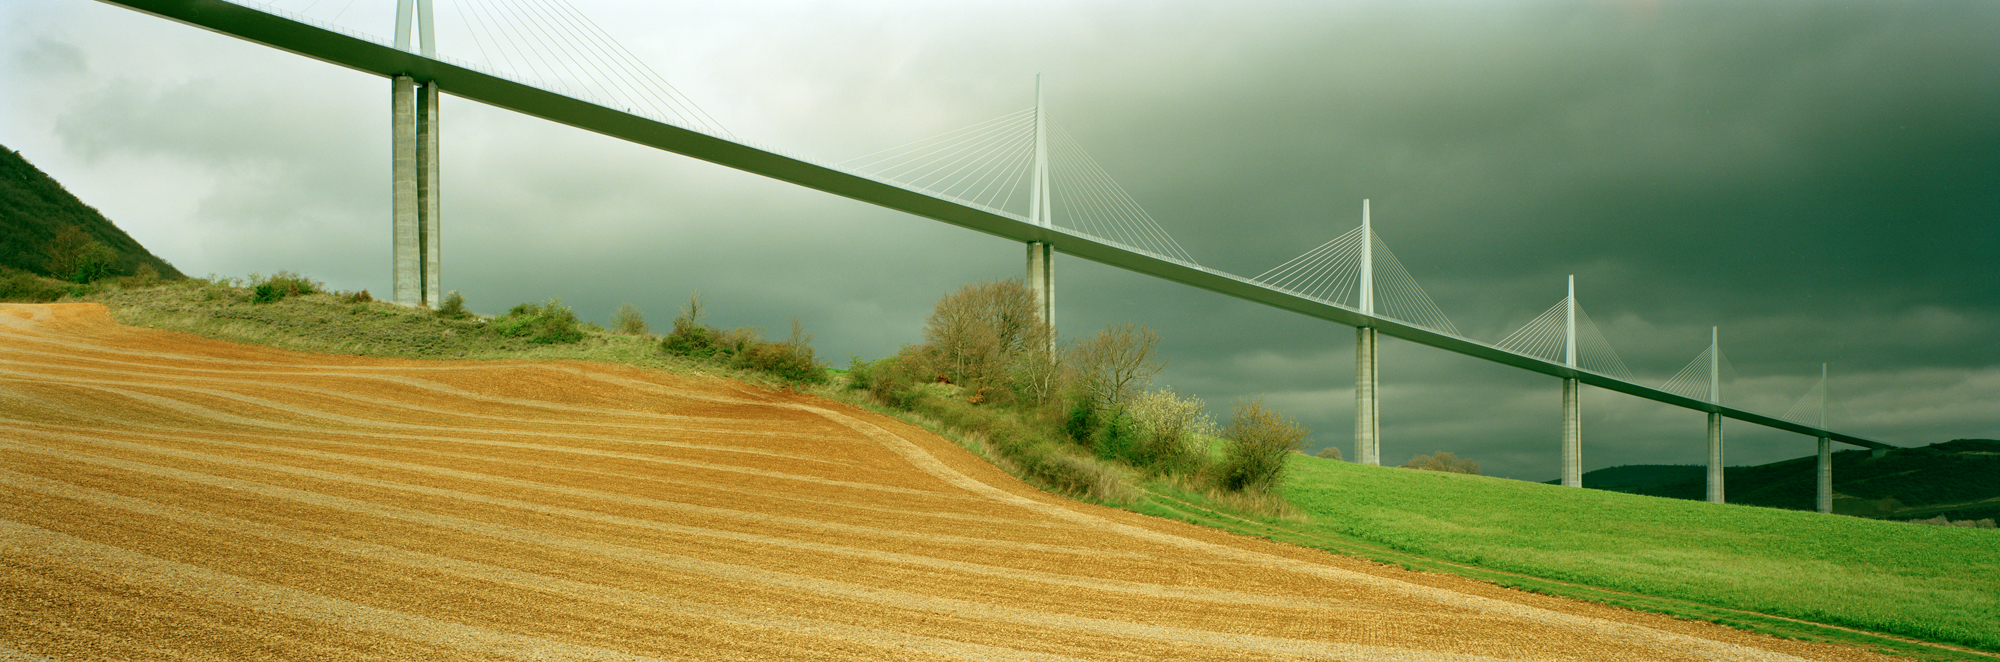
column 1018, row 176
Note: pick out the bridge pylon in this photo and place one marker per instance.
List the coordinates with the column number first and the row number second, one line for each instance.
column 416, row 222
column 1714, row 419
column 1367, row 407
column 1041, row 254
column 1823, row 500
column 1572, row 434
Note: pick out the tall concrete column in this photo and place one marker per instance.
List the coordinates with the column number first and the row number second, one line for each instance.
column 1572, row 474
column 1572, row 470
column 1715, row 420
column 1367, row 412
column 429, row 222
column 1715, row 458
column 407, row 252
column 414, row 151
column 1042, row 281
column 1824, row 500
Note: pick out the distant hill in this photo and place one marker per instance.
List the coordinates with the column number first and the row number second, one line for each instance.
column 1958, row 479
column 33, row 207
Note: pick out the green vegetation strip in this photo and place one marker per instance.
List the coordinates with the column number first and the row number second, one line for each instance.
column 1883, row 585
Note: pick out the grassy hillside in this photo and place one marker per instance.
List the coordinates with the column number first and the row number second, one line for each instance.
column 34, row 207
column 1958, row 480
column 1728, row 563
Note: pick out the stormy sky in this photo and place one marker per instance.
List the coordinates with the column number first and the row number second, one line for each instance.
column 1820, row 180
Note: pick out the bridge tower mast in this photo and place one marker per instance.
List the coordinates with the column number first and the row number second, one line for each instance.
column 1041, row 254
column 1824, row 500
column 1572, row 439
column 1367, row 409
column 1715, row 419
column 414, row 146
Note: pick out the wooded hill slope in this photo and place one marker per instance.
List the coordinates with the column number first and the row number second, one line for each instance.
column 35, row 207
column 1953, row 479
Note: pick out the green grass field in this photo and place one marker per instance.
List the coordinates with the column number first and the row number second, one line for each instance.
column 1695, row 559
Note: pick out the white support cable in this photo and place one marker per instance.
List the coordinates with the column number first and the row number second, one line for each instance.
column 1595, row 352
column 1141, row 228
column 1691, row 381
column 917, row 164
column 1542, row 337
column 565, row 47
column 980, row 180
column 1417, row 303
column 537, row 43
column 976, row 158
column 892, row 152
column 460, row 11
column 1330, row 272
column 1807, row 410
column 517, row 42
column 624, row 87
column 1017, row 174
column 659, row 81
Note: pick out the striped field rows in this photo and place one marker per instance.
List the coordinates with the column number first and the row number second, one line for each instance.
column 167, row 497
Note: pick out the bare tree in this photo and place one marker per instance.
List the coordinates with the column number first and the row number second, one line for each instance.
column 988, row 334
column 1330, row 452
column 1116, row 364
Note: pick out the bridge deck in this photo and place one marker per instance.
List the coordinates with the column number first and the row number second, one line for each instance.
column 363, row 55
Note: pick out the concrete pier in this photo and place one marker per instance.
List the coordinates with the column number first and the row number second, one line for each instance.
column 1824, row 496
column 1715, row 458
column 1572, row 473
column 1042, row 281
column 1367, row 410
column 416, row 230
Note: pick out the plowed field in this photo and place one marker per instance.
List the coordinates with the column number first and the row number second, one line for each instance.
column 168, row 497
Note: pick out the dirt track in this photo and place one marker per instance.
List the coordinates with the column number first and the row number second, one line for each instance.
column 169, row 497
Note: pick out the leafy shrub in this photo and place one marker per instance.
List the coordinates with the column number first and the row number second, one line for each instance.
column 1443, row 461
column 629, row 321
column 1168, row 432
column 690, row 337
column 790, row 359
column 25, row 287
column 74, row 256
column 547, row 324
column 1082, row 422
column 1259, row 440
column 280, row 285
column 1330, row 452
column 452, row 307
column 142, row 276
column 1116, row 436
column 360, row 297
column 858, row 373
column 897, row 380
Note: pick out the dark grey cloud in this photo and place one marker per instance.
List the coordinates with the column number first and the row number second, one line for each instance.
column 1819, row 180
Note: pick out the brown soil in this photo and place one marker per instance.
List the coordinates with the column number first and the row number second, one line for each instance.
column 164, row 496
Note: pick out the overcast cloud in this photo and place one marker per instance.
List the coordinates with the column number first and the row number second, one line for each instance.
column 1821, row 180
